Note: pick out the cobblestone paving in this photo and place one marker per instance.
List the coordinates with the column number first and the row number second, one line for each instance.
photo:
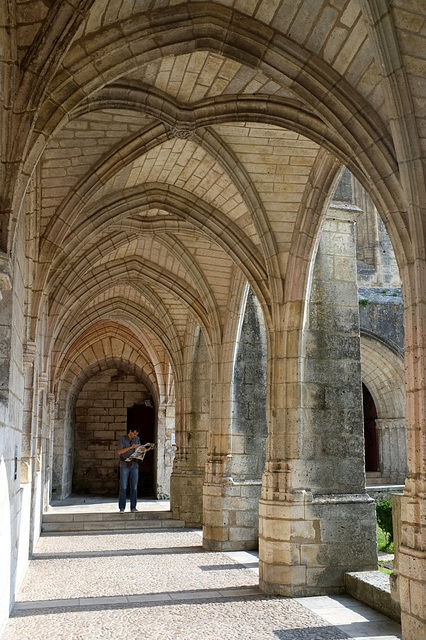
column 191, row 594
column 258, row 618
column 134, row 574
column 139, row 540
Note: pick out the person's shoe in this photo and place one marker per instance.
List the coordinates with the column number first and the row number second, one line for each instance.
column 133, row 510
column 121, row 511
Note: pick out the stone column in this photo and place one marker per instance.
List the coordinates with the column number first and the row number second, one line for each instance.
column 237, row 457
column 248, row 424
column 62, row 445
column 412, row 547
column 5, row 333
column 316, row 521
column 395, row 500
column 192, row 424
column 392, row 449
column 27, row 448
column 165, row 451
column 48, row 421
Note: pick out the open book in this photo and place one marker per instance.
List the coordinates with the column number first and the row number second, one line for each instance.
column 139, row 453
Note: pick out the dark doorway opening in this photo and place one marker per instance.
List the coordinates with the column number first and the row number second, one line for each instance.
column 142, row 418
column 370, row 432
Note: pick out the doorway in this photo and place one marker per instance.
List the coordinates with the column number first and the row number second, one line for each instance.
column 370, row 431
column 142, row 418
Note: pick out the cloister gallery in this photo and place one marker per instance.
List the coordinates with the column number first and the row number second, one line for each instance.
column 192, row 195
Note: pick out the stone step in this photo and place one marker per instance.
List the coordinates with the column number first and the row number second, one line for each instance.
column 85, row 522
column 374, row 479
column 93, row 516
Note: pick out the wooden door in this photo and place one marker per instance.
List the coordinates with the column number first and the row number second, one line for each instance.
column 142, row 418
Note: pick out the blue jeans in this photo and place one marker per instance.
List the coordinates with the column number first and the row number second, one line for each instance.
column 126, row 474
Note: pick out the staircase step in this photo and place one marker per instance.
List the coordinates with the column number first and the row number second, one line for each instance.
column 85, row 522
column 376, row 480
column 101, row 516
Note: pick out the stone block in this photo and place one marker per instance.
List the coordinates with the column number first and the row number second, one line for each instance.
column 238, row 444
column 281, row 553
column 303, row 531
column 280, row 511
column 214, row 535
column 276, row 530
column 242, row 533
column 281, row 579
column 215, row 518
column 409, row 565
column 247, row 518
column 251, row 491
column 325, row 579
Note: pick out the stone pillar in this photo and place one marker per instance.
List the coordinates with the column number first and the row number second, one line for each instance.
column 314, row 507
column 235, row 466
column 412, row 547
column 248, row 424
column 48, row 421
column 192, row 425
column 5, row 334
column 27, row 448
column 395, row 500
column 165, row 451
column 392, row 449
column 61, row 446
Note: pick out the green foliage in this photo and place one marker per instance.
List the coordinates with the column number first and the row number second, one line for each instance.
column 384, row 570
column 384, row 520
column 382, row 543
column 363, row 302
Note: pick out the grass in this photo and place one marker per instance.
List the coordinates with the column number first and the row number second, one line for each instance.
column 382, row 543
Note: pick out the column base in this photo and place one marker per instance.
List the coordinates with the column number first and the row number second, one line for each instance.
column 307, row 545
column 230, row 520
column 186, row 499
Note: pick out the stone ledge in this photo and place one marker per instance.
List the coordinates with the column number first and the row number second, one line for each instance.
column 373, row 589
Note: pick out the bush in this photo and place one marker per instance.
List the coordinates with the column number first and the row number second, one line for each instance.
column 384, row 519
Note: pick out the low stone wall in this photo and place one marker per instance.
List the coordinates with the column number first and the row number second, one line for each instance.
column 381, row 493
column 373, row 589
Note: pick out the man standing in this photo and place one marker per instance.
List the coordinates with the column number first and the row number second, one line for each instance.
column 129, row 469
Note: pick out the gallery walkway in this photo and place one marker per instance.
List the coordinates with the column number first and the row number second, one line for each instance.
column 159, row 584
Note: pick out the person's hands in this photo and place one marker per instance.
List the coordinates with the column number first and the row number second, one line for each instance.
column 134, row 446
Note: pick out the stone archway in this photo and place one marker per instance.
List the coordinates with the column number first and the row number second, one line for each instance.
column 370, row 433
column 383, row 374
column 101, row 413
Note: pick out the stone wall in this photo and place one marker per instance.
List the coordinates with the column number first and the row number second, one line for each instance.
column 100, row 421
column 381, row 316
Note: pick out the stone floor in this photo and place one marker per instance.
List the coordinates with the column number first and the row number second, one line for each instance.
column 162, row 585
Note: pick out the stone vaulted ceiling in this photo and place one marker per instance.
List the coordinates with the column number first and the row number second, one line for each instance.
column 181, row 149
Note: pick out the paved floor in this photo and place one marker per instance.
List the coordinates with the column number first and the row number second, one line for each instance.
column 162, row 585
